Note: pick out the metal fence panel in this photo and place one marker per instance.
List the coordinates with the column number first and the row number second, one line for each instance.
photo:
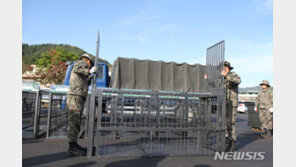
column 45, row 112
column 57, row 116
column 28, row 113
column 33, row 114
column 253, row 117
column 214, row 66
column 215, row 82
column 144, row 123
column 40, row 124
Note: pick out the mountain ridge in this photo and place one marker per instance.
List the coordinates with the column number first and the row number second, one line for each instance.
column 31, row 53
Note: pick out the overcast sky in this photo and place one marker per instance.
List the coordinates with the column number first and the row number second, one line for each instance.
column 168, row 30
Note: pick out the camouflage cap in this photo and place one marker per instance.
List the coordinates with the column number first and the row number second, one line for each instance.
column 226, row 63
column 264, row 82
column 86, row 56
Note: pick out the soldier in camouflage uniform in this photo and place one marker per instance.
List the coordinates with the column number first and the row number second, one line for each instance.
column 79, row 83
column 264, row 102
column 232, row 80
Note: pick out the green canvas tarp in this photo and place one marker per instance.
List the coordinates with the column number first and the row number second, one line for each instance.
column 130, row 73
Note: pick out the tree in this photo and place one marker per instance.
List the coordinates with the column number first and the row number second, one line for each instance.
column 31, row 53
column 53, row 66
column 26, row 67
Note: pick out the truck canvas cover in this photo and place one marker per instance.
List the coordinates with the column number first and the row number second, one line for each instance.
column 130, row 73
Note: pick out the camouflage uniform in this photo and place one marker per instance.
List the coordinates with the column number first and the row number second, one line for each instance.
column 232, row 80
column 264, row 102
column 79, row 82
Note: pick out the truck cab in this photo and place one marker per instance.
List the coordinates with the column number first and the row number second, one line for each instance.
column 103, row 79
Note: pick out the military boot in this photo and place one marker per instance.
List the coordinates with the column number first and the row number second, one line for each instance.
column 233, row 147
column 76, row 150
column 228, row 149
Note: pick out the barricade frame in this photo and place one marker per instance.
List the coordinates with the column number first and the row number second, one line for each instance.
column 98, row 96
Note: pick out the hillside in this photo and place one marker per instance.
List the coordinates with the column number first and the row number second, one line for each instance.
column 31, row 53
column 254, row 88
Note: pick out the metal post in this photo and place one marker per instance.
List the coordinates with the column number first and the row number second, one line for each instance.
column 87, row 113
column 92, row 105
column 223, row 101
column 91, row 124
column 36, row 116
column 49, row 115
column 99, row 117
column 94, row 80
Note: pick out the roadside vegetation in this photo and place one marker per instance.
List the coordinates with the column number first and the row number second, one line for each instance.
column 50, row 60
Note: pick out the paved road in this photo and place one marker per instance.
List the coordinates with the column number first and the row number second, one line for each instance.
column 52, row 152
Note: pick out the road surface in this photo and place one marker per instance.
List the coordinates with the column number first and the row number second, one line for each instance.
column 53, row 152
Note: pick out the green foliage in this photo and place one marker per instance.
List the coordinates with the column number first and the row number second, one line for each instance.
column 31, row 53
column 26, row 67
column 53, row 66
column 51, row 59
column 59, row 54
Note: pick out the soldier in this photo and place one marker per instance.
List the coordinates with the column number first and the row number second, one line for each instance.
column 232, row 80
column 79, row 83
column 264, row 102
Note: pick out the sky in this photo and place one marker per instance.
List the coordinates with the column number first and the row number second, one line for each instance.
column 167, row 30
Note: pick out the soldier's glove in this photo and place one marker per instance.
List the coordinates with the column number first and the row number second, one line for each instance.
column 271, row 110
column 93, row 70
column 255, row 109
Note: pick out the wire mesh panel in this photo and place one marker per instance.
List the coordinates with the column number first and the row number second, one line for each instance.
column 214, row 66
column 34, row 113
column 28, row 111
column 145, row 123
column 41, row 113
column 253, row 117
column 57, row 119
column 215, row 82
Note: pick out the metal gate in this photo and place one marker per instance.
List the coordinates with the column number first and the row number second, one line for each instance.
column 40, row 124
column 214, row 66
column 146, row 123
column 44, row 112
column 29, row 105
column 57, row 116
column 34, row 113
column 215, row 82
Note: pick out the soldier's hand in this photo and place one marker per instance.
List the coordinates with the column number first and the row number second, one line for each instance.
column 223, row 73
column 93, row 70
column 255, row 109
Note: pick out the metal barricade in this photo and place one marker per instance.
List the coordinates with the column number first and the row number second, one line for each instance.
column 253, row 117
column 214, row 66
column 29, row 104
column 45, row 112
column 215, row 82
column 34, row 113
column 40, row 120
column 57, row 115
column 144, row 123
